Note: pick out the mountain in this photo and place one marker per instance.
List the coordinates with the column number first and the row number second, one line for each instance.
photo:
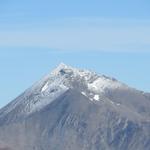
column 74, row 109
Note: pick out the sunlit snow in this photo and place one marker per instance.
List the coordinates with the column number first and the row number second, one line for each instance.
column 96, row 97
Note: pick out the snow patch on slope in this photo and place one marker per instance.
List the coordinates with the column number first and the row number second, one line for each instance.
column 44, row 87
column 53, row 94
column 96, row 97
column 102, row 83
column 83, row 93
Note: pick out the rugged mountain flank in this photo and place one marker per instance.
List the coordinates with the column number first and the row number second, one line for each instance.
column 72, row 109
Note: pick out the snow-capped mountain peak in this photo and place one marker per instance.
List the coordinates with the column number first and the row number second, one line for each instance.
column 60, row 80
column 92, row 80
column 60, row 68
column 67, row 77
column 77, row 109
column 63, row 69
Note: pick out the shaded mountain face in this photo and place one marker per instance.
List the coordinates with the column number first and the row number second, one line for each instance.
column 72, row 109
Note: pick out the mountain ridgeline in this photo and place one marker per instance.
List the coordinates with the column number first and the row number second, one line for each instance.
column 74, row 109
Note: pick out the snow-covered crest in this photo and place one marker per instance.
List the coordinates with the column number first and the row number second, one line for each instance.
column 61, row 79
column 93, row 80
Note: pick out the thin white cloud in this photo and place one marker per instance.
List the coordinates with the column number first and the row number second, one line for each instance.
column 104, row 35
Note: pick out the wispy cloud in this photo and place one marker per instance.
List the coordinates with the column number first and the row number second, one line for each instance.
column 83, row 34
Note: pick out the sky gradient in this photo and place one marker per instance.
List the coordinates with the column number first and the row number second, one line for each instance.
column 110, row 37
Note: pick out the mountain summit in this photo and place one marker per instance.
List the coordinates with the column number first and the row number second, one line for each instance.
column 72, row 109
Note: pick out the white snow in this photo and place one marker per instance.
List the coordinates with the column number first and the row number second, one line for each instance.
column 81, row 73
column 83, row 93
column 44, row 87
column 51, row 90
column 96, row 97
column 47, row 98
column 61, row 66
column 102, row 83
column 118, row 104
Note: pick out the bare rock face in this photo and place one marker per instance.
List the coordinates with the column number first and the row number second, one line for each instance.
column 72, row 109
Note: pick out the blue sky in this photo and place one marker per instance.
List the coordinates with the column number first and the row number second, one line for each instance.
column 110, row 37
